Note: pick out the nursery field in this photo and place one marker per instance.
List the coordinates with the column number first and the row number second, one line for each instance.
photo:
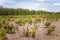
column 29, row 27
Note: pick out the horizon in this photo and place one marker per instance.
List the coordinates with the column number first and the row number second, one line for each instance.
column 44, row 5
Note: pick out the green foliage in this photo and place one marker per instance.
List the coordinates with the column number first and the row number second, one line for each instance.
column 26, row 32
column 50, row 29
column 21, row 22
column 33, row 33
column 35, row 26
column 48, row 23
column 2, row 33
column 37, row 19
column 0, row 24
column 12, row 11
column 29, row 20
column 5, row 38
column 9, row 28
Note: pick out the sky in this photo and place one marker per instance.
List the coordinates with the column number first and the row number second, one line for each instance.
column 45, row 5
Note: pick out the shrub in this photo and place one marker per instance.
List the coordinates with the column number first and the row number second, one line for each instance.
column 33, row 33
column 5, row 38
column 35, row 26
column 26, row 32
column 47, row 23
column 37, row 19
column 29, row 21
column 0, row 24
column 21, row 22
column 50, row 29
column 9, row 28
column 2, row 34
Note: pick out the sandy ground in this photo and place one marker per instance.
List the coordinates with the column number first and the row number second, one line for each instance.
column 40, row 33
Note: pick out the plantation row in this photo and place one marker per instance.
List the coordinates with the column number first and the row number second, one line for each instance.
column 7, row 27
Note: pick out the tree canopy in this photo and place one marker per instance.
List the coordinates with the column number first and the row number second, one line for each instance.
column 20, row 11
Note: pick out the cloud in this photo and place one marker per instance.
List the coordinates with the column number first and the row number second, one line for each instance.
column 45, row 0
column 36, row 5
column 41, row 0
column 47, row 5
column 42, row 8
column 56, row 4
column 24, row 5
column 11, row 2
column 2, row 2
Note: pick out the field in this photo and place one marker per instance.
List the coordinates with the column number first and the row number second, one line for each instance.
column 29, row 27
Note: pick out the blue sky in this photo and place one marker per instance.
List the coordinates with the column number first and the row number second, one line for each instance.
column 46, row 5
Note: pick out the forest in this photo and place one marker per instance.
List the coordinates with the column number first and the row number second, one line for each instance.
column 20, row 11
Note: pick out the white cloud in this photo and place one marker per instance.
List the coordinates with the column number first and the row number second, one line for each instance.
column 42, row 8
column 36, row 5
column 49, row 0
column 56, row 4
column 6, row 1
column 44, row 0
column 11, row 2
column 41, row 0
column 2, row 2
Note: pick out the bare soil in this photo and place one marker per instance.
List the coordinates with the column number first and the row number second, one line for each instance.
column 40, row 32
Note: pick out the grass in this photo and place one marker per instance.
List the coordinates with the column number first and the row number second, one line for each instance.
column 21, row 22
column 48, row 23
column 50, row 30
column 2, row 33
column 33, row 33
column 26, row 32
column 22, row 19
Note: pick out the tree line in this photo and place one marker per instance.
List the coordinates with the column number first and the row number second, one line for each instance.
column 20, row 11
